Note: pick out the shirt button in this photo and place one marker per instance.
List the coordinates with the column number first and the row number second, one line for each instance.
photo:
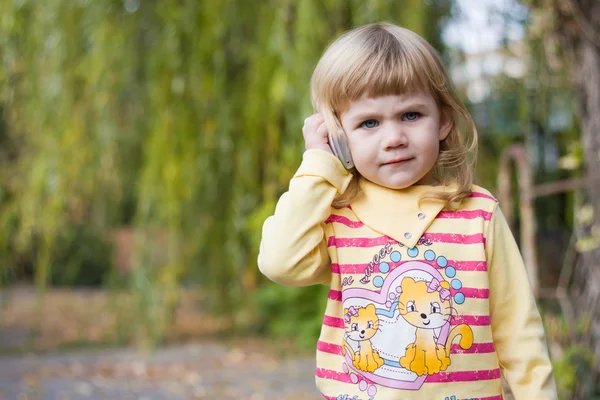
column 408, row 235
column 421, row 216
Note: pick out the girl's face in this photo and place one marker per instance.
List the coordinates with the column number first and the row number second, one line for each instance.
column 395, row 140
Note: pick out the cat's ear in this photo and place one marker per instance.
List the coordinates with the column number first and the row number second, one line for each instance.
column 445, row 284
column 371, row 307
column 407, row 283
column 345, row 311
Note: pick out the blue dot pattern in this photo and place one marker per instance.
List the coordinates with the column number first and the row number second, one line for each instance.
column 384, row 267
column 456, row 284
column 378, row 281
column 459, row 298
column 450, row 272
column 395, row 256
column 442, row 261
column 413, row 252
column 429, row 255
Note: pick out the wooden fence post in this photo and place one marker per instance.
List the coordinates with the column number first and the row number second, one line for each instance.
column 517, row 154
column 527, row 193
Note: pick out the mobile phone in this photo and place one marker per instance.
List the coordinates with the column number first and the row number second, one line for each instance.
column 339, row 146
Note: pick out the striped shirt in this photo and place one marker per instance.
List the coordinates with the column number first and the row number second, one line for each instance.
column 413, row 288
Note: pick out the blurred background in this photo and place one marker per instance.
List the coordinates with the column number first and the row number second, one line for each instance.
column 144, row 142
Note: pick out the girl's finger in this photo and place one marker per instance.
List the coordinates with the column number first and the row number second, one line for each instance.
column 313, row 121
column 322, row 130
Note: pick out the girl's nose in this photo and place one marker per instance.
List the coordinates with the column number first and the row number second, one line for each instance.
column 395, row 136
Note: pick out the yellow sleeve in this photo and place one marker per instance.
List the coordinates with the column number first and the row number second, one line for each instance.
column 517, row 327
column 293, row 247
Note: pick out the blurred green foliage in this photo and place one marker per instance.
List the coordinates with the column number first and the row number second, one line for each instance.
column 574, row 364
column 294, row 312
column 79, row 257
column 179, row 120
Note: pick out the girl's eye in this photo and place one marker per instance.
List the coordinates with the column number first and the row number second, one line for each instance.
column 411, row 116
column 369, row 124
column 410, row 307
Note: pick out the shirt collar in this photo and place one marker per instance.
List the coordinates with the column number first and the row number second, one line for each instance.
column 397, row 213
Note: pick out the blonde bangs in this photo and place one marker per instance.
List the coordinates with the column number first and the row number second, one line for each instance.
column 372, row 63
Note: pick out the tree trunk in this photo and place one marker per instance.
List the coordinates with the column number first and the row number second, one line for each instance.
column 589, row 109
column 578, row 29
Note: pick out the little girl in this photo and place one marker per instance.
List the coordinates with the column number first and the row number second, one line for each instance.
column 429, row 298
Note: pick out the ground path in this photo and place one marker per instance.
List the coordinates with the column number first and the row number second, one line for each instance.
column 39, row 358
column 197, row 371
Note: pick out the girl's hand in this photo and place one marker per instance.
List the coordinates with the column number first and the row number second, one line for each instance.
column 315, row 133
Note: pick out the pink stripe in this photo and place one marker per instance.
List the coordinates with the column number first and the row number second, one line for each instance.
column 465, row 376
column 350, row 268
column 333, row 375
column 360, row 268
column 465, row 214
column 335, row 295
column 329, row 347
column 476, row 348
column 472, row 320
column 357, row 242
column 333, row 321
column 472, row 293
column 483, row 195
column 455, row 238
column 469, row 265
column 343, row 220
column 382, row 240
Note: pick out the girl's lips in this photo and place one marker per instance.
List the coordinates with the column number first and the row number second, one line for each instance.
column 399, row 161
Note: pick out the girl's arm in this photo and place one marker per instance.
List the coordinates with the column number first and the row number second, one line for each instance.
column 293, row 249
column 516, row 324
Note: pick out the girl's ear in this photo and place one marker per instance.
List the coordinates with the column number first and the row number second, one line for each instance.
column 446, row 122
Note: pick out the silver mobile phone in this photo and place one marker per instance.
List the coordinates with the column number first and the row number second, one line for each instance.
column 339, row 146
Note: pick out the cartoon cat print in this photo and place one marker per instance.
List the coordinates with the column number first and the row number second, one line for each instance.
column 426, row 305
column 361, row 325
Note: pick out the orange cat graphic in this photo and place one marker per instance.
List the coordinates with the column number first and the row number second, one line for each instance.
column 426, row 305
column 361, row 325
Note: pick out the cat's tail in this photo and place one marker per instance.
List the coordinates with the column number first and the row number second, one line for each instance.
column 347, row 348
column 466, row 337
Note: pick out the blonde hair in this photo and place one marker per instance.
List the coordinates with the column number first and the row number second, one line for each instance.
column 384, row 59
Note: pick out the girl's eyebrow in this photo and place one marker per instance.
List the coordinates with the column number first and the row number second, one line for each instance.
column 365, row 115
